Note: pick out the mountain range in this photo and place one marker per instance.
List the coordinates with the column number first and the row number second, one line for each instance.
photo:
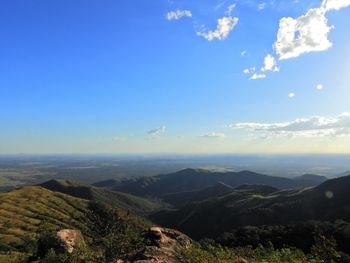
column 196, row 179
column 251, row 206
column 233, row 209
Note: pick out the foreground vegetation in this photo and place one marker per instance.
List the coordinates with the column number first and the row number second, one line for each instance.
column 31, row 216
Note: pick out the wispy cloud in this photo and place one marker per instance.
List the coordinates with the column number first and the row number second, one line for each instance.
column 257, row 76
column 230, row 9
column 261, row 6
column 249, row 70
column 178, row 14
column 155, row 133
column 214, row 135
column 223, row 28
column 317, row 126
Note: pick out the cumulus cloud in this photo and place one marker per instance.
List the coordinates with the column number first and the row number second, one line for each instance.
column 257, row 76
column 156, row 132
column 270, row 64
column 213, row 135
column 307, row 33
column 178, row 14
column 224, row 26
column 317, row 126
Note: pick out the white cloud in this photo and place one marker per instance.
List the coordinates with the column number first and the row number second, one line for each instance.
column 213, row 135
column 269, row 64
column 243, row 53
column 307, row 33
column 224, row 26
column 291, row 95
column 261, row 6
column 319, row 87
column 178, row 14
column 335, row 4
column 230, row 9
column 249, row 70
column 257, row 76
column 316, row 126
column 156, row 132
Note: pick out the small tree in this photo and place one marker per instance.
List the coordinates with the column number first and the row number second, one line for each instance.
column 325, row 249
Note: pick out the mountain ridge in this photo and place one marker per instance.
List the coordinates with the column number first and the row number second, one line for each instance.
column 196, row 179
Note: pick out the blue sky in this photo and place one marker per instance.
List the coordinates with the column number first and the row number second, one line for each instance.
column 164, row 76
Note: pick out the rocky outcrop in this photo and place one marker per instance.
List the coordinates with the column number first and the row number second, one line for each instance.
column 69, row 239
column 164, row 246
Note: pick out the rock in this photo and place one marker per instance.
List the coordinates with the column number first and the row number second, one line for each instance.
column 165, row 244
column 70, row 239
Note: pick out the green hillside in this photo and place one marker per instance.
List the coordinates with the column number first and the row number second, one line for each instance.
column 210, row 218
column 23, row 211
column 134, row 204
column 26, row 212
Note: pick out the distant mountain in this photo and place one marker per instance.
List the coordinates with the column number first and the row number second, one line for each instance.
column 128, row 202
column 106, row 183
column 328, row 201
column 342, row 174
column 218, row 190
column 197, row 179
column 311, row 178
column 183, row 198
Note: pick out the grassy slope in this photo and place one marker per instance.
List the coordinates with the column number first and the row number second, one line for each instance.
column 23, row 212
column 134, row 204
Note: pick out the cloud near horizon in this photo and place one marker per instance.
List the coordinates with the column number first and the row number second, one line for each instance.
column 313, row 127
column 213, row 135
column 155, row 133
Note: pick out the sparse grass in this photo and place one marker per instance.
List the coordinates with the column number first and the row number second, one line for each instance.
column 198, row 254
column 23, row 211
